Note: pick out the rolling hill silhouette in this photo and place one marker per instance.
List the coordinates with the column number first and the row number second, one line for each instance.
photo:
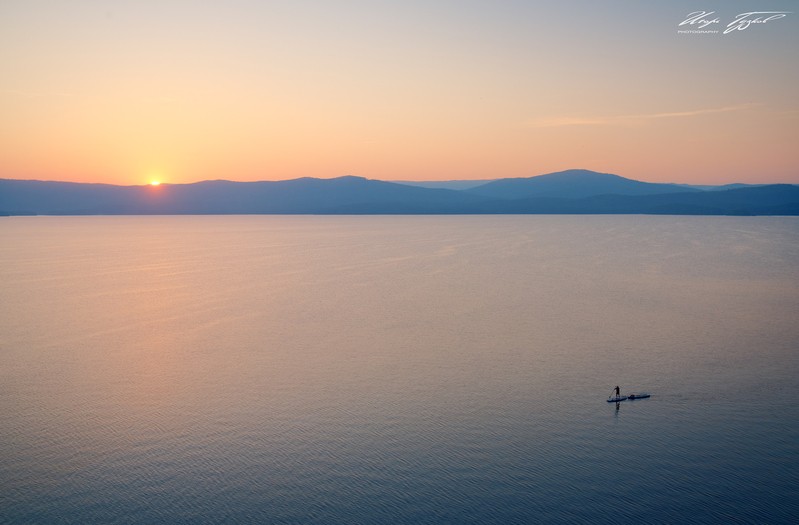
column 572, row 184
column 297, row 196
column 572, row 192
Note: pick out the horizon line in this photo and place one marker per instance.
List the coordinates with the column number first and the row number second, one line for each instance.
column 153, row 184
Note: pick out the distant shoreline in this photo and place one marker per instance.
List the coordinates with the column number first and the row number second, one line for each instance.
column 571, row 192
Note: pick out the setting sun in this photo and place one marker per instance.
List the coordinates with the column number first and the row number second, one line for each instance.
column 155, row 183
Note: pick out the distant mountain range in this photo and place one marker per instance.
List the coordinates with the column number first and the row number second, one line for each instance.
column 572, row 192
column 571, row 184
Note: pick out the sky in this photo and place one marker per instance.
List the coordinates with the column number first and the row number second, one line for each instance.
column 127, row 92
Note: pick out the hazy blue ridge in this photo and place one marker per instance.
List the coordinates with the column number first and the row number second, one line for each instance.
column 776, row 199
column 572, row 184
column 733, row 186
column 445, row 184
column 298, row 196
column 569, row 192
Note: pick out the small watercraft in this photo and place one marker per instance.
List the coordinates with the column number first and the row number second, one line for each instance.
column 639, row 396
column 616, row 399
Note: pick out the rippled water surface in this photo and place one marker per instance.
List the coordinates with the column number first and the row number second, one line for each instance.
column 372, row 370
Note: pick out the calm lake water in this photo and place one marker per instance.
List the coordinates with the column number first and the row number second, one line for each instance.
column 451, row 369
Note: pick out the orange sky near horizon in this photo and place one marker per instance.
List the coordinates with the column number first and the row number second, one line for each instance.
column 180, row 91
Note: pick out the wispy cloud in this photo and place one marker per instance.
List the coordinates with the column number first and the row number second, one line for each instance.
column 555, row 122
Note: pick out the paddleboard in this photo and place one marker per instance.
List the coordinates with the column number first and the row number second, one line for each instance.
column 638, row 396
column 616, row 399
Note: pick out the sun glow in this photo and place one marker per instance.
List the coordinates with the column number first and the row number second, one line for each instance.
column 155, row 183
